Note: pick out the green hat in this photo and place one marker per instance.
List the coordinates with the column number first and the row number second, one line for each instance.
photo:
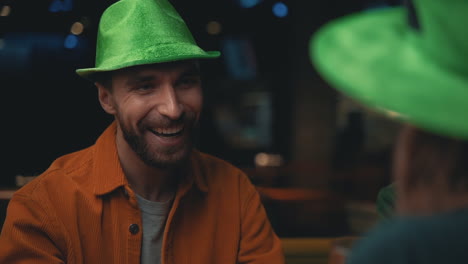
column 409, row 61
column 136, row 32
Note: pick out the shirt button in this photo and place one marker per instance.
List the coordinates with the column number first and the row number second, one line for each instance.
column 134, row 229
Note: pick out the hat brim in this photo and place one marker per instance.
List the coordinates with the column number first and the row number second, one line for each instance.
column 90, row 73
column 373, row 58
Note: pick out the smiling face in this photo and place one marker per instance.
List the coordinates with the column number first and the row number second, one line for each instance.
column 156, row 108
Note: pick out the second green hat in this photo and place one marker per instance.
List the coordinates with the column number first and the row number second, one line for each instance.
column 408, row 62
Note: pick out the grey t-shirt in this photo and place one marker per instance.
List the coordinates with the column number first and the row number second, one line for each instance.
column 154, row 215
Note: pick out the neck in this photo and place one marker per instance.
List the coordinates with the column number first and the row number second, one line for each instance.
column 154, row 184
column 429, row 201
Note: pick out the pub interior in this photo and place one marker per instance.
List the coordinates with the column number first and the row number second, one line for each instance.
column 317, row 158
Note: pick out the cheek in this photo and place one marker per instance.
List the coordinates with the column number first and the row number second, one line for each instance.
column 132, row 110
column 193, row 100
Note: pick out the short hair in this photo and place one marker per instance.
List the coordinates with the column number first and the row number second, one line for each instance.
column 104, row 78
column 438, row 156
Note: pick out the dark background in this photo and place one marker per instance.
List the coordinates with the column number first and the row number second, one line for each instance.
column 50, row 111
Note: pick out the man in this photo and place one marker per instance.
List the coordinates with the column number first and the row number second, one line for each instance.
column 410, row 64
column 141, row 193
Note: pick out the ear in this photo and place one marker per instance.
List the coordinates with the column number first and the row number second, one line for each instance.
column 403, row 148
column 105, row 99
column 407, row 187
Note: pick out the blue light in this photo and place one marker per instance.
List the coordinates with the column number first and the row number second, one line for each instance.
column 280, row 9
column 71, row 41
column 61, row 6
column 249, row 3
column 240, row 58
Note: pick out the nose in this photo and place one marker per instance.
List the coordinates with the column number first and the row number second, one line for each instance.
column 170, row 105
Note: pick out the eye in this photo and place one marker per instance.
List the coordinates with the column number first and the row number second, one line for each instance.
column 190, row 81
column 145, row 87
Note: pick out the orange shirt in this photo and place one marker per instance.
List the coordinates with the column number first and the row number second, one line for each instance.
column 81, row 210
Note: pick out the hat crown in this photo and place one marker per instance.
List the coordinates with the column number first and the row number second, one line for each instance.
column 133, row 26
column 140, row 32
column 442, row 32
column 408, row 63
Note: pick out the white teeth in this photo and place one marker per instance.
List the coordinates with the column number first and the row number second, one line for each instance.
column 169, row 130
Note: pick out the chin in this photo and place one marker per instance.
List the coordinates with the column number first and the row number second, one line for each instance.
column 169, row 160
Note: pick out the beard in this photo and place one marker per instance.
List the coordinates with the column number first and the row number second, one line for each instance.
column 157, row 156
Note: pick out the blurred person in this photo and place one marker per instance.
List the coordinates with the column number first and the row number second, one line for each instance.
column 142, row 193
column 409, row 63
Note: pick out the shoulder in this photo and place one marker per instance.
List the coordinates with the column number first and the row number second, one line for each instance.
column 439, row 238
column 213, row 166
column 216, row 163
column 220, row 174
column 59, row 178
column 387, row 242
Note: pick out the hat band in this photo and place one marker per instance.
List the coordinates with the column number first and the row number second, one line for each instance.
column 152, row 54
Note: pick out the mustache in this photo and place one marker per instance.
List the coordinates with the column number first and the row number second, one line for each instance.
column 164, row 122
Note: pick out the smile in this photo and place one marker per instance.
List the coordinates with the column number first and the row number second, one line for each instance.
column 169, row 132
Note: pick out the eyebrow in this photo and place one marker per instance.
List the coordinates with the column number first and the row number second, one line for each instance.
column 192, row 70
column 139, row 79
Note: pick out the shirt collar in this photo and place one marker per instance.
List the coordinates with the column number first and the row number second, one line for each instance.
column 107, row 172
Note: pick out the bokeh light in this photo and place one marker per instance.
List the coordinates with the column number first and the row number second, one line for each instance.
column 71, row 41
column 213, row 28
column 249, row 3
column 77, row 28
column 280, row 9
column 6, row 10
